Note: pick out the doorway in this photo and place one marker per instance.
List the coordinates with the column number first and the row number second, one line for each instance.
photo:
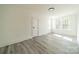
column 35, row 26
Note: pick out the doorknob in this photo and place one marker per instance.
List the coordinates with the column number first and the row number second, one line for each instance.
column 33, row 27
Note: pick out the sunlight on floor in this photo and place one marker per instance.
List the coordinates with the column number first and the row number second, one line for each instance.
column 64, row 37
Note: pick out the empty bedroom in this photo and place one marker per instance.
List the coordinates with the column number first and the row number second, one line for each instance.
column 39, row 28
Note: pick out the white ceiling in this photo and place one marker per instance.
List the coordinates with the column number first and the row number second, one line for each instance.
column 60, row 9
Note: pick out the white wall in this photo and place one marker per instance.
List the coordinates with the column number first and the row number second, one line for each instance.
column 1, row 24
column 16, row 24
column 44, row 24
column 78, row 27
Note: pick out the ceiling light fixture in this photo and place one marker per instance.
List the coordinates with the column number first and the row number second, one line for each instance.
column 51, row 9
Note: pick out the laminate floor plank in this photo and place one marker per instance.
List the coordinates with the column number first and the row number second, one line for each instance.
column 45, row 44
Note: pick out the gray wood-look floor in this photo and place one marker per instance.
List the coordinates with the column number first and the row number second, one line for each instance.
column 46, row 44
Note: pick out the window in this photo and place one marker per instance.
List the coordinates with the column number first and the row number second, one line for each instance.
column 61, row 23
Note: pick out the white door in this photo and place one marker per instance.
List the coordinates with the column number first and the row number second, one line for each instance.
column 35, row 27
